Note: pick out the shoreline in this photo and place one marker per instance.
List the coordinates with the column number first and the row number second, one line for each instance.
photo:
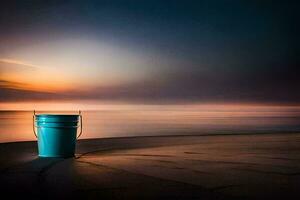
column 175, row 135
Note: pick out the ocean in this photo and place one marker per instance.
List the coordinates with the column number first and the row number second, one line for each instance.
column 153, row 120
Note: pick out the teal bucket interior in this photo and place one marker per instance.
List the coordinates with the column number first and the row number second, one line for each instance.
column 56, row 134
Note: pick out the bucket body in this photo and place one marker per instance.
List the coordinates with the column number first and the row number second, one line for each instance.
column 56, row 135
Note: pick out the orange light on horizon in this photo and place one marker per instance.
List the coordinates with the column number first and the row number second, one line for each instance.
column 207, row 109
column 34, row 78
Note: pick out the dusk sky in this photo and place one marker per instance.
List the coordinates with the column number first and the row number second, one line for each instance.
column 150, row 51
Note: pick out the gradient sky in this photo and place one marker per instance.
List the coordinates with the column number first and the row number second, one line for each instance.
column 150, row 51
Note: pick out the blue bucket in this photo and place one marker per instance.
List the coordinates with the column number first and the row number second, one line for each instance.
column 57, row 134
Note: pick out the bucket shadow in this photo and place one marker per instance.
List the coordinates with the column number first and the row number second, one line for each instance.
column 27, row 179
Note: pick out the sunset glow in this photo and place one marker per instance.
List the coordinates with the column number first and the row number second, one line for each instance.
column 152, row 58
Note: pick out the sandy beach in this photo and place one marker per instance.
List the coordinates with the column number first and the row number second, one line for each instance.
column 253, row 166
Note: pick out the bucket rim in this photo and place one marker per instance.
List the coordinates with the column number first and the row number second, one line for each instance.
column 56, row 115
column 56, row 118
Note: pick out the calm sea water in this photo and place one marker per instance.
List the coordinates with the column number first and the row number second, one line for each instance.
column 164, row 120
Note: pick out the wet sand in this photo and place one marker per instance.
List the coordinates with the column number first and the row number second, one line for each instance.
column 265, row 166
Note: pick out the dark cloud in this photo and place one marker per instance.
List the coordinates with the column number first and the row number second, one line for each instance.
column 12, row 94
column 221, row 86
column 11, row 84
column 276, row 86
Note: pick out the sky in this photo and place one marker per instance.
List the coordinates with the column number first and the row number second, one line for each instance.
column 150, row 51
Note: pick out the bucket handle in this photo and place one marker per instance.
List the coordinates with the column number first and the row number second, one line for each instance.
column 33, row 126
column 80, row 116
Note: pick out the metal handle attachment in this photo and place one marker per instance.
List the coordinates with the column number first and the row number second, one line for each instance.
column 33, row 126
